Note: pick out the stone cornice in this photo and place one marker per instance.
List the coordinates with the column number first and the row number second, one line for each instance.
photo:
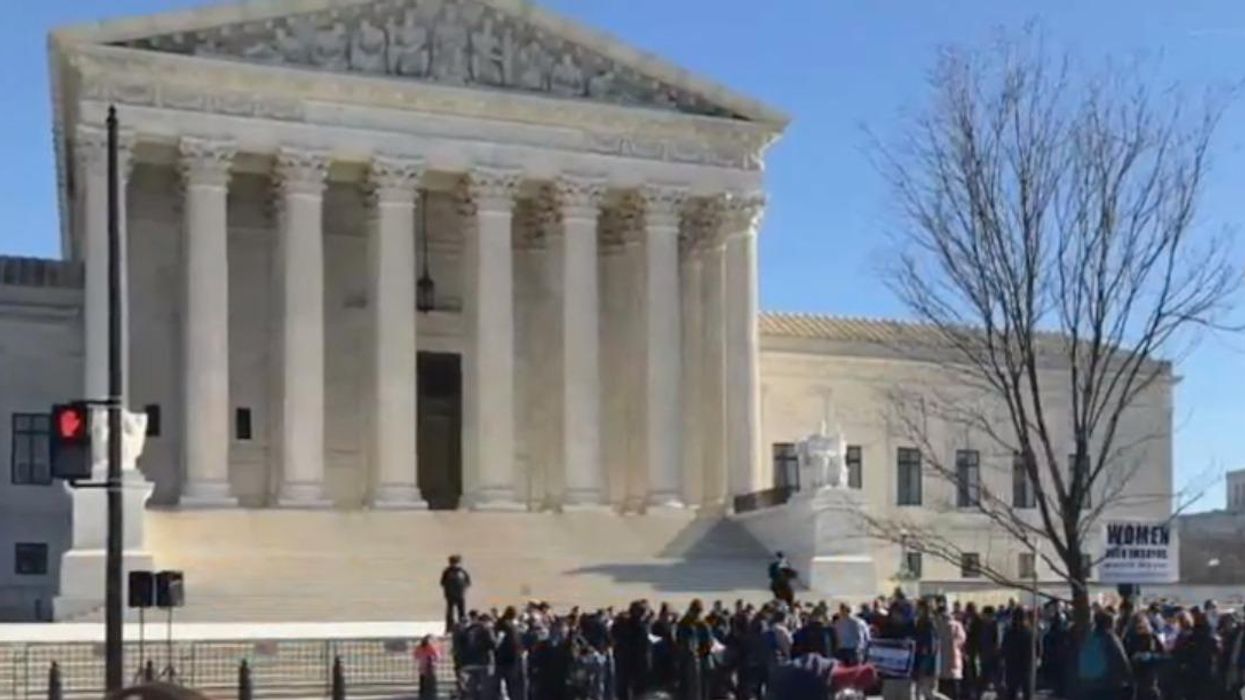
column 198, row 84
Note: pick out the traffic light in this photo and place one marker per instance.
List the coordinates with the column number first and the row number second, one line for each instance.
column 71, row 441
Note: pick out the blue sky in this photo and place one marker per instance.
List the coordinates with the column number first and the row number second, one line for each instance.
column 835, row 66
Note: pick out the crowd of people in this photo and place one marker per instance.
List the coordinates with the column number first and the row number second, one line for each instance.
column 792, row 649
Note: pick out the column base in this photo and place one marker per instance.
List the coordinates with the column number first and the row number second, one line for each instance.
column 207, row 494
column 303, row 496
column 633, row 504
column 398, row 497
column 495, row 500
column 665, row 501
column 583, row 499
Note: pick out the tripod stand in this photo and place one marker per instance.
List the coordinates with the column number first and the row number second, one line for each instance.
column 169, row 672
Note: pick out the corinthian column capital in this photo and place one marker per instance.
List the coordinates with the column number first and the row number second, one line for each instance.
column 301, row 170
column 206, row 161
column 493, row 189
column 580, row 196
column 395, row 178
column 742, row 212
column 663, row 204
column 91, row 150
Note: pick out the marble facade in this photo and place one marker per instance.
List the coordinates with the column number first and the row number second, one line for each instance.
column 591, row 228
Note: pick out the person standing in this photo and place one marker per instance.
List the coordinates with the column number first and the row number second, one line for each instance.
column 851, row 637
column 1102, row 667
column 454, row 584
column 781, row 576
column 426, row 658
column 1145, row 653
column 951, row 638
column 1017, row 655
column 509, row 657
column 899, row 628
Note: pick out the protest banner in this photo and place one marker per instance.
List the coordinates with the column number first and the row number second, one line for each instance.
column 892, row 658
column 1139, row 551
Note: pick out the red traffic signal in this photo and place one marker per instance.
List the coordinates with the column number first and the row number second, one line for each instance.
column 71, row 423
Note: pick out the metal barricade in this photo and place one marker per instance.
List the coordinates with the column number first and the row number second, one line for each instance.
column 278, row 668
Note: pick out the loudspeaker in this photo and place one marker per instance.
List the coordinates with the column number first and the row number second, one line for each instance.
column 170, row 590
column 142, row 591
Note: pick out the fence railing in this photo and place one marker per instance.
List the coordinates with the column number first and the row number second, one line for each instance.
column 278, row 668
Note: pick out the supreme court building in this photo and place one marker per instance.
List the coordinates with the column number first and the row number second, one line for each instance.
column 584, row 218
column 384, row 256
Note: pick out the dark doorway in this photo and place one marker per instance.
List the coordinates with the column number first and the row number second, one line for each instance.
column 440, row 429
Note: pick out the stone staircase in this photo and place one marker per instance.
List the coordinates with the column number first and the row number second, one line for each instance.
column 334, row 566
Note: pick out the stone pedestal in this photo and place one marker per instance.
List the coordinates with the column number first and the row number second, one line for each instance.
column 821, row 534
column 841, row 566
column 83, row 565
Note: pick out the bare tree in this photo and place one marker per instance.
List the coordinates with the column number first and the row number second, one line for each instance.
column 1049, row 248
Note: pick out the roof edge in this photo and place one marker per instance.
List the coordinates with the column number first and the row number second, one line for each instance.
column 206, row 17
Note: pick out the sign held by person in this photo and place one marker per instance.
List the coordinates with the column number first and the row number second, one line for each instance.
column 1139, row 551
column 892, row 657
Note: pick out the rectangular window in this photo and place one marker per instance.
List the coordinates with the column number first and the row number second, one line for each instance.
column 1088, row 501
column 970, row 565
column 153, row 420
column 912, row 562
column 967, row 478
column 908, row 462
column 1023, row 493
column 1026, row 566
column 1087, row 563
column 31, row 458
column 242, row 424
column 855, row 463
column 30, row 559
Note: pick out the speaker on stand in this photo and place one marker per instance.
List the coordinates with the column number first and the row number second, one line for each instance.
column 142, row 595
column 170, row 594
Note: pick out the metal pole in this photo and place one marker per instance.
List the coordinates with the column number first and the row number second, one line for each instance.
column 1033, row 642
column 114, row 652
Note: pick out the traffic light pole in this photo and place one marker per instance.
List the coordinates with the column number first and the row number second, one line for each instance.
column 114, row 652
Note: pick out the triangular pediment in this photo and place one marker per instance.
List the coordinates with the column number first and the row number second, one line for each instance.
column 495, row 44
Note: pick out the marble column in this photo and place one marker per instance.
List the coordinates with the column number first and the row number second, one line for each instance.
column 489, row 386
column 693, row 476
column 663, row 208
column 743, row 346
column 394, row 188
column 91, row 154
column 301, row 181
column 580, row 200
column 205, row 165
column 713, row 364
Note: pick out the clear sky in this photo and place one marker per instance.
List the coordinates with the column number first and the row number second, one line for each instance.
column 836, row 67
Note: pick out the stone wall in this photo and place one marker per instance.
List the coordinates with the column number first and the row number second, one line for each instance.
column 863, row 392
column 40, row 364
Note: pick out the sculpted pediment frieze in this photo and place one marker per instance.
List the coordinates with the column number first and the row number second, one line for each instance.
column 449, row 42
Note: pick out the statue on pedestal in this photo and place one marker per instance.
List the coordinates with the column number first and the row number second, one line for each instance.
column 821, row 460
column 133, row 438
